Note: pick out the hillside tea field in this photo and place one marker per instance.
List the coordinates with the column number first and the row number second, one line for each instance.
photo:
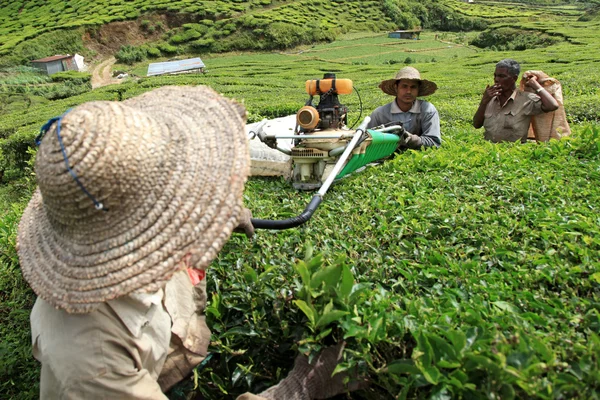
column 469, row 271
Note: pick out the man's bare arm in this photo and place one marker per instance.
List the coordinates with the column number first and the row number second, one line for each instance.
column 489, row 93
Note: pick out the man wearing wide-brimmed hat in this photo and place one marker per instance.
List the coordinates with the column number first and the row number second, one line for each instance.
column 134, row 201
column 419, row 118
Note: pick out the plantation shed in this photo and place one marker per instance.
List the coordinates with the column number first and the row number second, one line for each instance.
column 54, row 64
column 406, row 34
column 176, row 67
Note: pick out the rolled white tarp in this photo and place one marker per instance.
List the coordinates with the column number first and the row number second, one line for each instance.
column 266, row 161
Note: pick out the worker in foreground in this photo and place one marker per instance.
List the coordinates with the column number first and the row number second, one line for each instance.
column 505, row 112
column 419, row 118
column 134, row 201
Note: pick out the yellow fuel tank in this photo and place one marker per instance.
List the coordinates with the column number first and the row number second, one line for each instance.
column 318, row 86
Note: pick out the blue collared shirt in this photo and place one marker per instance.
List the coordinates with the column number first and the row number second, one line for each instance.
column 422, row 120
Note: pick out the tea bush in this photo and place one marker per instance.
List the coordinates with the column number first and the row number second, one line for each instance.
column 67, row 89
column 74, row 77
column 377, row 16
column 18, row 370
column 131, row 54
column 47, row 44
column 437, row 287
column 513, row 39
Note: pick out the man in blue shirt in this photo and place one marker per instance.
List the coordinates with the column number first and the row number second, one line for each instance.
column 420, row 118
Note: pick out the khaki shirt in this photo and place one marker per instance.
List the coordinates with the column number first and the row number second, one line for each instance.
column 510, row 122
column 133, row 347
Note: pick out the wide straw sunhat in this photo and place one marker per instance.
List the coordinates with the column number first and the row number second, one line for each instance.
column 132, row 189
column 425, row 88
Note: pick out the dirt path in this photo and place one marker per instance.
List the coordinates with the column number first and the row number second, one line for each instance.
column 102, row 74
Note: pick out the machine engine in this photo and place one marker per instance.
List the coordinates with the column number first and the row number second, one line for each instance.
column 324, row 149
column 324, row 126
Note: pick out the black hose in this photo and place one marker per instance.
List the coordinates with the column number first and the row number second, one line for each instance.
column 360, row 107
column 290, row 222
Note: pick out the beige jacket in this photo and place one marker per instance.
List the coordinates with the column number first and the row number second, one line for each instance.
column 134, row 347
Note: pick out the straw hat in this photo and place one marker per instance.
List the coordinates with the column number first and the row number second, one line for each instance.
column 425, row 88
column 169, row 167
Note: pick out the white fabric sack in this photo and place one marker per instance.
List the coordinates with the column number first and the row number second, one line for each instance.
column 266, row 161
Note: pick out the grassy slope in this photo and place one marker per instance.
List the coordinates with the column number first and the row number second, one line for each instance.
column 488, row 223
column 23, row 20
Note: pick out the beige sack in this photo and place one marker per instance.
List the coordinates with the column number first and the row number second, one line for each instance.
column 551, row 125
column 265, row 161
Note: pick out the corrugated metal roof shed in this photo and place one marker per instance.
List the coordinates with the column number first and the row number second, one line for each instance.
column 405, row 34
column 409, row 30
column 170, row 67
column 52, row 58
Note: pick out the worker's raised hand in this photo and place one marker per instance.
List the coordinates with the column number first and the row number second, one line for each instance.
column 531, row 81
column 491, row 92
column 245, row 225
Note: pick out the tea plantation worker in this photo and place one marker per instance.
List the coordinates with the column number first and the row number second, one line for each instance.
column 550, row 125
column 420, row 118
column 504, row 111
column 134, row 201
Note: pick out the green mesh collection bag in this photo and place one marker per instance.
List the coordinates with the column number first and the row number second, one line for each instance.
column 382, row 145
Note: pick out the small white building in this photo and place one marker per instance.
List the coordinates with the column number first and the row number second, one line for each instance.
column 59, row 63
column 54, row 64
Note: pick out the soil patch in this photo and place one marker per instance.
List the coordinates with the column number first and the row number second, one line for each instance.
column 102, row 74
column 106, row 40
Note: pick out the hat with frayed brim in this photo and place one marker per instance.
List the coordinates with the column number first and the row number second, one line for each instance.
column 425, row 87
column 169, row 168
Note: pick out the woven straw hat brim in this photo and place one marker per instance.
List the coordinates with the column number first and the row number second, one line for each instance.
column 426, row 87
column 170, row 165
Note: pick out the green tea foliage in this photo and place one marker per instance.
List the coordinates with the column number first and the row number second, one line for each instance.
column 591, row 13
column 502, row 39
column 22, row 75
column 466, row 281
column 21, row 90
column 64, row 41
column 429, row 14
column 75, row 77
column 19, row 374
column 216, row 26
column 132, row 54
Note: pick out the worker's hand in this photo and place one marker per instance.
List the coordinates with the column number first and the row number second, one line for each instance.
column 400, row 131
column 532, row 81
column 408, row 140
column 245, row 225
column 314, row 381
column 319, row 376
column 491, row 92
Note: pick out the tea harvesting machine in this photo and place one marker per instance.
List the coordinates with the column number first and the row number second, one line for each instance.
column 324, row 148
